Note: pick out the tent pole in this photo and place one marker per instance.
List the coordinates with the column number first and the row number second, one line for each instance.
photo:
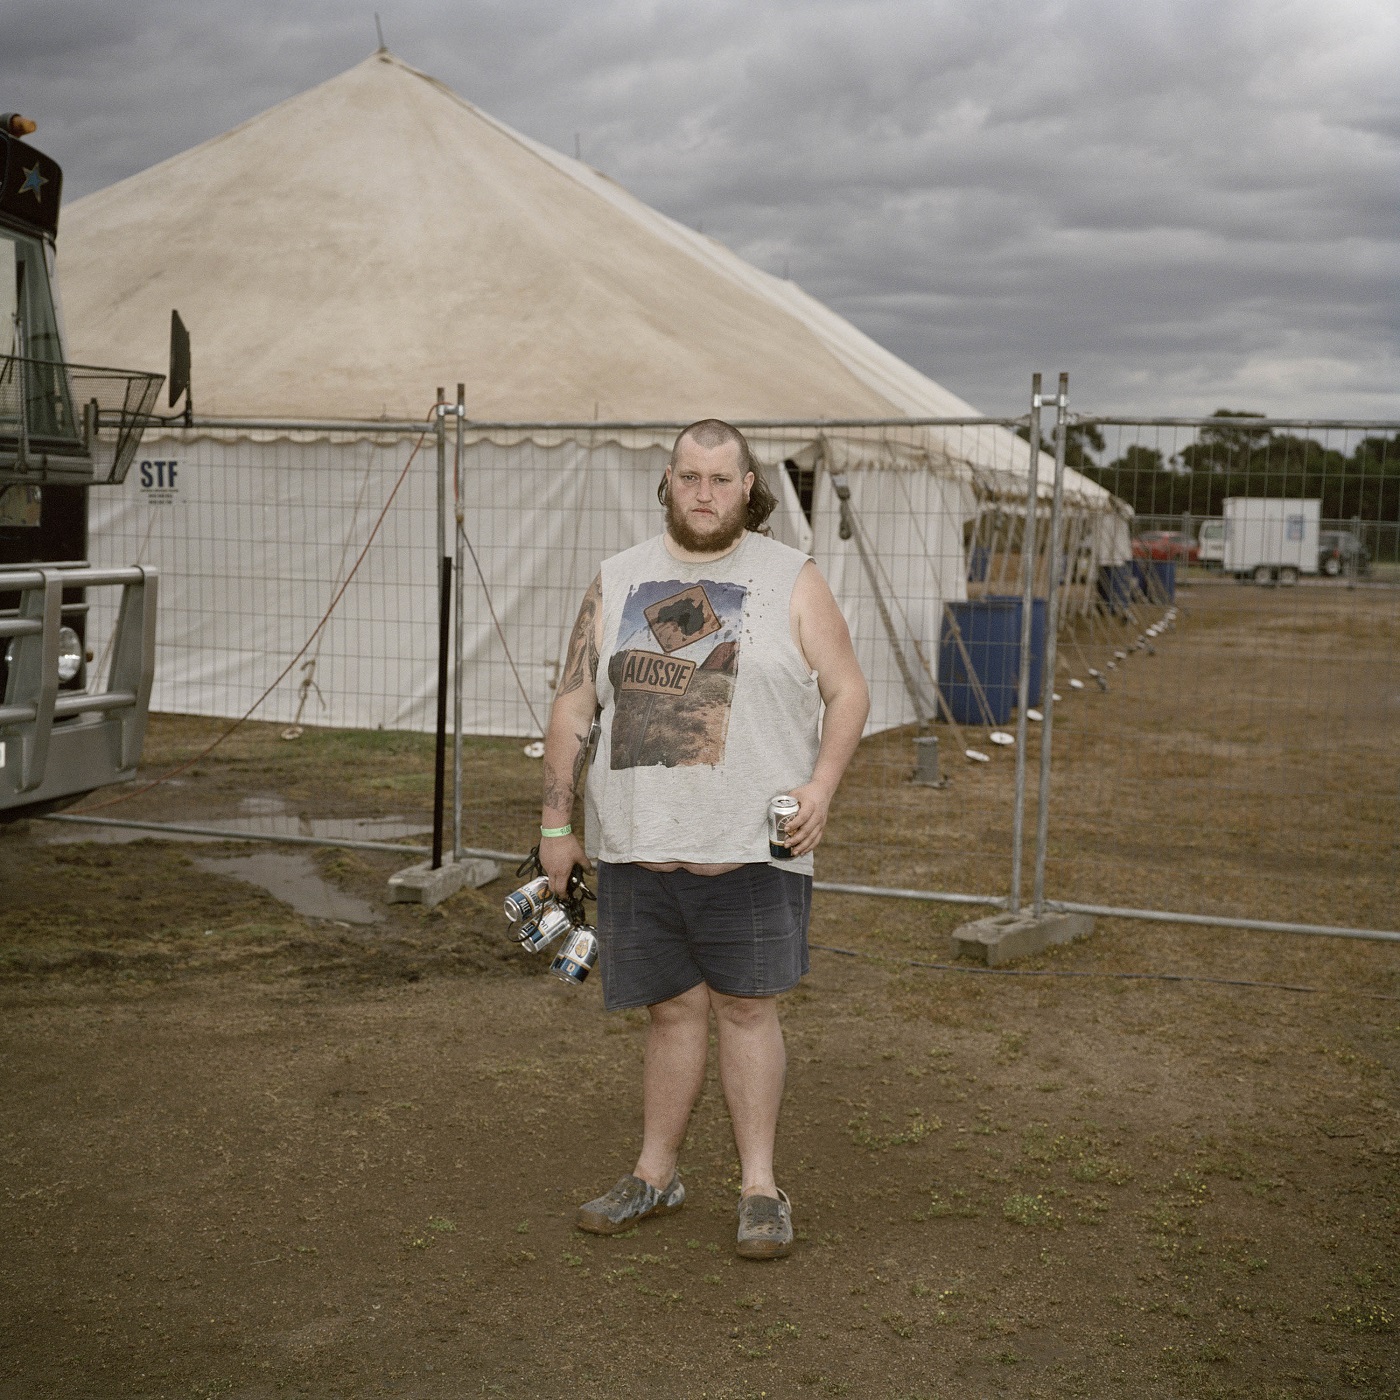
column 444, row 605
column 852, row 525
column 458, row 638
column 1023, row 680
column 1042, row 817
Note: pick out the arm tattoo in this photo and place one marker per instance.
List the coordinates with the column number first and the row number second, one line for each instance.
column 580, row 759
column 559, row 795
column 581, row 664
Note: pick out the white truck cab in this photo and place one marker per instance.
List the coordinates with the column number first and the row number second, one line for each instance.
column 1210, row 544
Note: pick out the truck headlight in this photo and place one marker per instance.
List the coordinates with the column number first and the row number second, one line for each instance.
column 70, row 654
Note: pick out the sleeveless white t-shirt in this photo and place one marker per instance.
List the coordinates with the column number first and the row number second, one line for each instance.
column 708, row 709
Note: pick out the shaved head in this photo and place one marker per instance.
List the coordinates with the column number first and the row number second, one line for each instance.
column 711, row 433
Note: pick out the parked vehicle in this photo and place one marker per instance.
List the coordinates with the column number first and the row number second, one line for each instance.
column 1176, row 545
column 1210, row 544
column 1340, row 552
column 65, row 429
column 1271, row 540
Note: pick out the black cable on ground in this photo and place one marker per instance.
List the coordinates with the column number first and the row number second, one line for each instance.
column 1082, row 972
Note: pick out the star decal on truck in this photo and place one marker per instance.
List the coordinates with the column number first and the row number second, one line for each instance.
column 33, row 183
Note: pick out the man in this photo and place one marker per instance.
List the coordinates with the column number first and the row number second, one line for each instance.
column 710, row 651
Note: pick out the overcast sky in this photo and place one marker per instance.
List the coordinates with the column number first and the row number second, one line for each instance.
column 1188, row 204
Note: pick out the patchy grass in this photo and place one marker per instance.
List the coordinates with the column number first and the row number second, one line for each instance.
column 246, row 1152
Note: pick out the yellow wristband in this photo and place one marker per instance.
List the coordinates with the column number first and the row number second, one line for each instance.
column 557, row 830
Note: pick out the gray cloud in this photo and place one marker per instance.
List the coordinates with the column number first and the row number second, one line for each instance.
column 1186, row 203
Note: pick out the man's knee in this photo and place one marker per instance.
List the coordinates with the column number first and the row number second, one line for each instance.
column 693, row 1005
column 744, row 1012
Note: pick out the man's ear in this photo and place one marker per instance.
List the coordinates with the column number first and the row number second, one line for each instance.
column 748, row 484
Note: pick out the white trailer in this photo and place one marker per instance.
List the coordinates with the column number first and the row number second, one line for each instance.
column 1271, row 540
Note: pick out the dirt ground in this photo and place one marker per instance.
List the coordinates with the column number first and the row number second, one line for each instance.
column 249, row 1152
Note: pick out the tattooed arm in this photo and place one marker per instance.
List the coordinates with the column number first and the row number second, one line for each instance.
column 566, row 742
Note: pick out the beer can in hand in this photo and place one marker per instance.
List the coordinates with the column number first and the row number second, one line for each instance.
column 780, row 811
column 528, row 901
column 576, row 959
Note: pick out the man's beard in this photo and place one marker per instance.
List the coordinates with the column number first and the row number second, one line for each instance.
column 719, row 538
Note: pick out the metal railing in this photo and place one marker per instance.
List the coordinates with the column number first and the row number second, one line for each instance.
column 54, row 743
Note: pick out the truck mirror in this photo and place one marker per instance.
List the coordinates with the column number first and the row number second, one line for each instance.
column 179, row 359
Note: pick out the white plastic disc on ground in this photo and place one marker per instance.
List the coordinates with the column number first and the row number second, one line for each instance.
column 534, row 749
column 1121, row 655
column 1092, row 672
column 1000, row 736
column 977, row 755
column 1077, row 684
column 1035, row 715
column 1057, row 697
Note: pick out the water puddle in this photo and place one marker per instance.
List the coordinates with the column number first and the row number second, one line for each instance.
column 257, row 816
column 291, row 877
column 294, row 879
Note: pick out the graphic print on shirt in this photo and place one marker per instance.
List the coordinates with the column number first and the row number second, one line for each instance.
column 673, row 672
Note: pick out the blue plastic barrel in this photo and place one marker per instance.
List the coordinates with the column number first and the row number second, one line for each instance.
column 1156, row 578
column 1117, row 584
column 991, row 636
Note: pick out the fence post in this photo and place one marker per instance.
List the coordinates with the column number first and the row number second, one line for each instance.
column 444, row 604
column 1023, row 681
column 459, row 634
column 1042, row 815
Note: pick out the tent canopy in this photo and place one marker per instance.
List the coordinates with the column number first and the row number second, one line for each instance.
column 352, row 247
column 339, row 256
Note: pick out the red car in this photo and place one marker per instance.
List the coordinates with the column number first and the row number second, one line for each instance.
column 1166, row 544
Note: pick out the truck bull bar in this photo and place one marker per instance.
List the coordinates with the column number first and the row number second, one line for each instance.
column 55, row 744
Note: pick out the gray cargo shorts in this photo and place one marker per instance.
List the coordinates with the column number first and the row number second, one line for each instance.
column 660, row 934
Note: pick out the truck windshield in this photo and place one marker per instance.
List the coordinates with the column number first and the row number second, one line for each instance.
column 35, row 399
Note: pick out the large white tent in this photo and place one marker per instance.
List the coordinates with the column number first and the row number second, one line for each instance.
column 339, row 256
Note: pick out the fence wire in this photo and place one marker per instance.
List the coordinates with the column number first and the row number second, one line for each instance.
column 886, row 511
column 253, row 539
column 1241, row 729
column 1207, row 730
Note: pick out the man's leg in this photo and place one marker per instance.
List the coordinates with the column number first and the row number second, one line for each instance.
column 678, row 1040
column 752, row 1068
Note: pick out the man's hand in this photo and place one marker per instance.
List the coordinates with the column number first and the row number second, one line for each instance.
column 559, row 855
column 806, row 827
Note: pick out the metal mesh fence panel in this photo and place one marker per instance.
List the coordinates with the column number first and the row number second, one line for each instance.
column 253, row 539
column 1226, row 740
column 1224, row 720
column 916, row 530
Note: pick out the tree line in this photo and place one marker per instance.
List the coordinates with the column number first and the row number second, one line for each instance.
column 1240, row 459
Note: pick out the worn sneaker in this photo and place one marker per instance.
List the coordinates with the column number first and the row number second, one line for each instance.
column 631, row 1200
column 765, row 1227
